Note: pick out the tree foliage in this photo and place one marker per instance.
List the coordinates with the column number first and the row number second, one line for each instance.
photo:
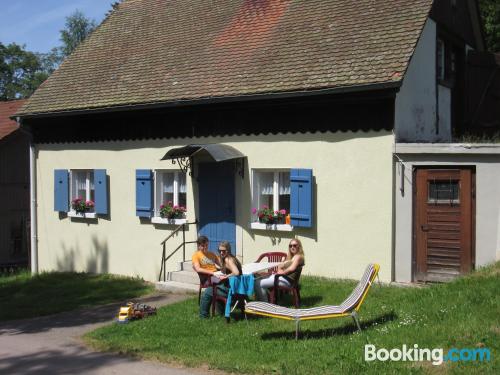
column 21, row 72
column 76, row 29
column 490, row 12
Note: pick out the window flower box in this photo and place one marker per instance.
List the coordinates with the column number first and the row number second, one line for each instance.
column 274, row 227
column 167, row 221
column 82, row 215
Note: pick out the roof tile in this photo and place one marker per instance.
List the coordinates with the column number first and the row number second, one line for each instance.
column 151, row 51
column 7, row 109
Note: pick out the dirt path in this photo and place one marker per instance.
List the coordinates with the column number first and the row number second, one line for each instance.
column 52, row 345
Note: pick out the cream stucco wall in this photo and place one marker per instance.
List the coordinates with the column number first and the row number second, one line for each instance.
column 352, row 219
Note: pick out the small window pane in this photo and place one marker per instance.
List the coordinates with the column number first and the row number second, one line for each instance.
column 284, row 191
column 443, row 191
column 182, row 199
column 182, row 182
column 167, row 185
column 182, row 189
column 92, row 189
column 167, row 197
column 79, row 187
column 166, row 188
column 265, row 189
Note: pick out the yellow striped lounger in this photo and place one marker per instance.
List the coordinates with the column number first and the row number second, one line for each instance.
column 349, row 307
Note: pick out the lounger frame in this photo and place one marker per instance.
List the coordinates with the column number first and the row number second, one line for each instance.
column 353, row 312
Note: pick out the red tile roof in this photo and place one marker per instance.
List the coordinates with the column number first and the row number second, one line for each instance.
column 159, row 51
column 7, row 109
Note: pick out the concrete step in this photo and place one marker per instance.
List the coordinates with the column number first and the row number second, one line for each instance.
column 187, row 277
column 186, row 266
column 174, row 286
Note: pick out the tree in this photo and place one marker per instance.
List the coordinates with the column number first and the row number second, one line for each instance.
column 50, row 61
column 76, row 29
column 21, row 72
column 490, row 12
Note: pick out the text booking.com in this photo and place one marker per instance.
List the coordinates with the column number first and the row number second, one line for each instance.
column 415, row 354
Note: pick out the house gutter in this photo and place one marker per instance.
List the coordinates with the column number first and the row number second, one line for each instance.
column 33, row 204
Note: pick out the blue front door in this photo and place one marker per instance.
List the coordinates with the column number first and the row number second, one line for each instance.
column 216, row 203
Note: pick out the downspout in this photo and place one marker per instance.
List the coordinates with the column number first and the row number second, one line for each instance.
column 33, row 205
column 33, row 213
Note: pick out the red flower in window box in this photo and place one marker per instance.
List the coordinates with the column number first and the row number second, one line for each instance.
column 81, row 206
column 268, row 216
column 169, row 211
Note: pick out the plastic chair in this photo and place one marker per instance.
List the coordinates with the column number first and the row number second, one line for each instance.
column 205, row 282
column 276, row 256
column 278, row 289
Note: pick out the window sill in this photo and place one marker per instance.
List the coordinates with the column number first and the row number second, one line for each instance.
column 161, row 220
column 86, row 215
column 276, row 227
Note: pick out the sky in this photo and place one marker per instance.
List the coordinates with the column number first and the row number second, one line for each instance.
column 36, row 23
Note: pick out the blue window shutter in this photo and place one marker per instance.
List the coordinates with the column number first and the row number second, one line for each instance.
column 301, row 197
column 61, row 190
column 101, row 191
column 144, row 193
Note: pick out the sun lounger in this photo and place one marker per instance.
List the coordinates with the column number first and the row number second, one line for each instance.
column 349, row 307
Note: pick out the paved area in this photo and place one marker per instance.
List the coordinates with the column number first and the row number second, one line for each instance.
column 52, row 345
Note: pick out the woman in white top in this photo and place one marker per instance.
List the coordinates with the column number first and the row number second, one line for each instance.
column 290, row 269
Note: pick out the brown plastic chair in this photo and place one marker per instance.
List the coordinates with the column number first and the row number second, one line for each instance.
column 278, row 289
column 206, row 282
column 276, row 256
column 240, row 298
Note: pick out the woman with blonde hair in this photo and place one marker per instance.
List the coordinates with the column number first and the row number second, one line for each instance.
column 290, row 270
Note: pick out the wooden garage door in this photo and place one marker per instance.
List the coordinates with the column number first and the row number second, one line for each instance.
column 444, row 222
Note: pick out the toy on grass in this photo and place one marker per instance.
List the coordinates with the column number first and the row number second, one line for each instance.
column 134, row 311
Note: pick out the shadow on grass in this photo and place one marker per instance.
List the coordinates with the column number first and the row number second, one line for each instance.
column 310, row 301
column 347, row 329
column 90, row 317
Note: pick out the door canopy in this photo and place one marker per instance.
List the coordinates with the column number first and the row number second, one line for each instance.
column 218, row 152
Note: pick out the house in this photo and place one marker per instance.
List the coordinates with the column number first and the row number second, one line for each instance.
column 14, row 190
column 330, row 110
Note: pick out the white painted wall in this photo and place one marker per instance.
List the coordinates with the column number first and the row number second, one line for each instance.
column 415, row 108
column 486, row 159
column 352, row 220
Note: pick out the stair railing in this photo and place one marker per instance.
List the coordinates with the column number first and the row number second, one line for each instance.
column 164, row 258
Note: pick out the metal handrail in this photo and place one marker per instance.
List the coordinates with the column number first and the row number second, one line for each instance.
column 171, row 234
column 164, row 258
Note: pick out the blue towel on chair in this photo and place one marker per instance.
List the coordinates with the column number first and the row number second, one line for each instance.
column 242, row 284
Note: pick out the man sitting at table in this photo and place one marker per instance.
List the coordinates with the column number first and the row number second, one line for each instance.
column 207, row 263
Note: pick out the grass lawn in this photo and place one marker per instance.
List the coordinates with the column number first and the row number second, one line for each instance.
column 23, row 296
column 461, row 314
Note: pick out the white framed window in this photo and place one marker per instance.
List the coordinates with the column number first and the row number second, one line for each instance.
column 82, row 186
column 170, row 187
column 271, row 188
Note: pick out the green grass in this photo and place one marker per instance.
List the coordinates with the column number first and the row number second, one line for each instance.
column 24, row 296
column 461, row 314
